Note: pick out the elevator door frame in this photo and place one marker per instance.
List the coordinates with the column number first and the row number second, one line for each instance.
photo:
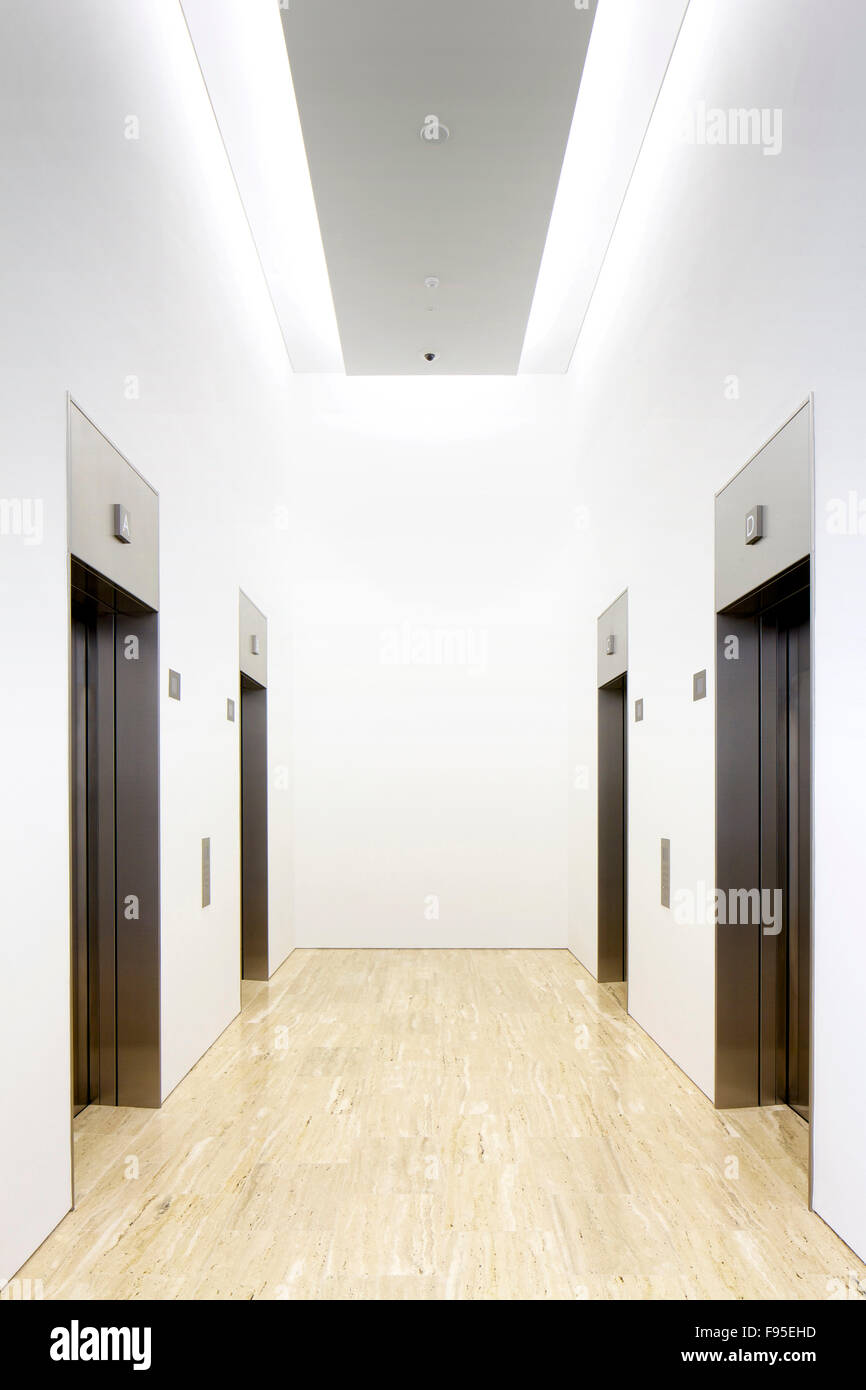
column 613, row 830
column 747, row 1061
column 123, row 872
column 254, row 828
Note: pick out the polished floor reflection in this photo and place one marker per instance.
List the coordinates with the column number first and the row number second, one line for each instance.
column 439, row 1124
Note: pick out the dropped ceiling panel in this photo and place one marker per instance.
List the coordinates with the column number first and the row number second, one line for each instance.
column 471, row 210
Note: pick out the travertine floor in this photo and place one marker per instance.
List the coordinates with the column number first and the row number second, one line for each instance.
column 439, row 1124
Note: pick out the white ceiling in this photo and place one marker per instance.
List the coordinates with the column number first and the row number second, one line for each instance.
column 393, row 209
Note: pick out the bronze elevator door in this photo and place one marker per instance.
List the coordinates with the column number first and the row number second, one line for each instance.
column 786, row 852
column 612, row 833
column 92, row 860
column 114, row 845
column 254, row 830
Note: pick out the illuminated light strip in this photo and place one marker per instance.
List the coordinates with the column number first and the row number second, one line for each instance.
column 629, row 52
column 242, row 55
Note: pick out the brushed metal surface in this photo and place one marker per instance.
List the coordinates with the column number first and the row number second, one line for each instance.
column 738, row 858
column 137, row 792
column 786, row 853
column 87, row 1006
column 104, row 854
column 252, row 624
column 763, row 841
column 254, row 831
column 205, row 871
column 752, row 714
column 613, row 622
column 92, row 860
column 612, row 832
column 779, row 479
column 100, row 478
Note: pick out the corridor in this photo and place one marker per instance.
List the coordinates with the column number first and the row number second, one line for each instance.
column 478, row 1124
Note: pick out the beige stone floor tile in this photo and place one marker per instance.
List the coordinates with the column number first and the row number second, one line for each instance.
column 425, row 1125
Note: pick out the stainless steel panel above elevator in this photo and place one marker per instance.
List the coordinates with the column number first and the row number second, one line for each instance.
column 252, row 640
column 100, row 481
column 778, row 479
column 612, row 640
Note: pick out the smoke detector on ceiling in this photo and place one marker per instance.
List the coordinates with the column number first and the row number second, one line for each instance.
column 432, row 282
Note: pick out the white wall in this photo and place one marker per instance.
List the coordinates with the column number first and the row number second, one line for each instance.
column 125, row 258
column 363, row 513
column 730, row 263
column 430, row 533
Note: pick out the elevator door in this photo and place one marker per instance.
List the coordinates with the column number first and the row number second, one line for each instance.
column 786, row 852
column 84, row 995
column 612, row 856
column 92, row 859
column 254, row 830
